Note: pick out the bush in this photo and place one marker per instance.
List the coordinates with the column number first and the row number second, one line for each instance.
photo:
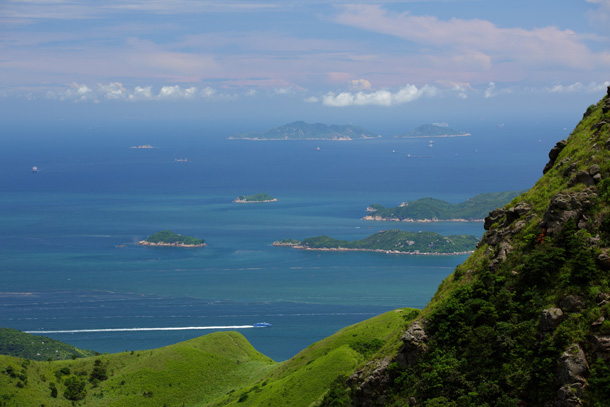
column 75, row 388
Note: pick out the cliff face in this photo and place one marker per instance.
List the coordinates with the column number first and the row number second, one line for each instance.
column 525, row 321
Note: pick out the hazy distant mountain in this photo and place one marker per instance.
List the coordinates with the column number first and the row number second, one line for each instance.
column 433, row 130
column 306, row 131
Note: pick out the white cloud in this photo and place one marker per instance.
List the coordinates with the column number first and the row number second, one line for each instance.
column 592, row 87
column 176, row 92
column 380, row 98
column 141, row 93
column 311, row 99
column 491, row 90
column 359, row 84
column 113, row 91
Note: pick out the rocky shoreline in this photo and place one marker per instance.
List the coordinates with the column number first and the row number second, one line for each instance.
column 344, row 249
column 380, row 218
column 176, row 244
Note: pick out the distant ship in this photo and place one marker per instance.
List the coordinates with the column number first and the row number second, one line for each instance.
column 34, row 170
column 262, row 325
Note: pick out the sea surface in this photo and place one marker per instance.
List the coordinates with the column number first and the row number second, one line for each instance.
column 69, row 259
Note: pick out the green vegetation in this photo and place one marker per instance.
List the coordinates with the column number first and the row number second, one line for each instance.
column 262, row 197
column 170, row 238
column 475, row 208
column 213, row 370
column 523, row 320
column 33, row 347
column 398, row 241
column 194, row 372
column 305, row 131
column 433, row 130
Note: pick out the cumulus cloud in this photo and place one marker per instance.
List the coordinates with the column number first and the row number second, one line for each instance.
column 407, row 94
column 116, row 91
column 311, row 99
column 592, row 87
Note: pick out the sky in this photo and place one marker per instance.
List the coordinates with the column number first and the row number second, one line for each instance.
column 278, row 60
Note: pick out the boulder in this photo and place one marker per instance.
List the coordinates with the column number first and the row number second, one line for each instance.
column 572, row 366
column 602, row 346
column 572, row 303
column 414, row 345
column 553, row 154
column 549, row 319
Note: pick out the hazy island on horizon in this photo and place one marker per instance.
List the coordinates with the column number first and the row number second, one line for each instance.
column 300, row 130
column 433, row 130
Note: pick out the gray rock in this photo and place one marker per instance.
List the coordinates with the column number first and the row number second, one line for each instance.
column 414, row 345
column 549, row 319
column 602, row 346
column 553, row 154
column 569, row 395
column 594, row 170
column 572, row 303
column 581, row 177
column 566, row 206
column 572, row 366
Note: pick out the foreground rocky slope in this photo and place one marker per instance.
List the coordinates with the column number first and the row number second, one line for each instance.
column 525, row 321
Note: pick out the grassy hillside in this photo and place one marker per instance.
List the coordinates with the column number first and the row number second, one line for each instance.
column 220, row 369
column 306, row 377
column 190, row 373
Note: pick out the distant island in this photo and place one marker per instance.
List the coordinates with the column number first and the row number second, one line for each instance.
column 256, row 198
column 433, row 130
column 391, row 242
column 474, row 209
column 142, row 146
column 305, row 131
column 168, row 238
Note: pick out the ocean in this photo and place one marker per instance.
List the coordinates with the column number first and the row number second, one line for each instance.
column 69, row 259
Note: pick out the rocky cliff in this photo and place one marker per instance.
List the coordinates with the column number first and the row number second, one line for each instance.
column 525, row 321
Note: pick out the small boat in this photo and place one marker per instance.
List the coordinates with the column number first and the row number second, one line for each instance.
column 318, row 149
column 262, row 325
column 34, row 170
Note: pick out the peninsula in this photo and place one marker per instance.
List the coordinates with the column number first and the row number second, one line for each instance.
column 433, row 130
column 391, row 242
column 168, row 238
column 307, row 131
column 256, row 198
column 474, row 209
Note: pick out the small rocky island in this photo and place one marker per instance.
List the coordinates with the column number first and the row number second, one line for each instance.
column 474, row 209
column 256, row 198
column 391, row 242
column 143, row 146
column 433, row 130
column 168, row 238
column 310, row 131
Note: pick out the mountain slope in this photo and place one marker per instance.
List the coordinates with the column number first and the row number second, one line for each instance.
column 525, row 321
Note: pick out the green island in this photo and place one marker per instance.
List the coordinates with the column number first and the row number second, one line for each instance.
column 524, row 321
column 300, row 130
column 433, row 130
column 391, row 241
column 26, row 346
column 256, row 198
column 168, row 238
column 434, row 210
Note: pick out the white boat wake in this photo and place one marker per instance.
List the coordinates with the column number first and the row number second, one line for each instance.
column 180, row 328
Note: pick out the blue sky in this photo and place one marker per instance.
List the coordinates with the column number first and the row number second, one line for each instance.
column 313, row 60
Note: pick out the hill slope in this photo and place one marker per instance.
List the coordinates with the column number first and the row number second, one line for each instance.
column 33, row 347
column 525, row 321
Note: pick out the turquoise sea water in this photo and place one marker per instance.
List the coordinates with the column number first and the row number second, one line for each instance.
column 62, row 266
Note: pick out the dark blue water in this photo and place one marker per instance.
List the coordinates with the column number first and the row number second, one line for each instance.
column 68, row 258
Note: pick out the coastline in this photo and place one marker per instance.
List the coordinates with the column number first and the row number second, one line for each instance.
column 176, row 244
column 344, row 249
column 380, row 218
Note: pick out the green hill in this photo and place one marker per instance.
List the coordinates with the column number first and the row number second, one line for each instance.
column 169, row 238
column 430, row 209
column 525, row 321
column 34, row 347
column 213, row 370
column 190, row 373
column 310, row 131
column 396, row 241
